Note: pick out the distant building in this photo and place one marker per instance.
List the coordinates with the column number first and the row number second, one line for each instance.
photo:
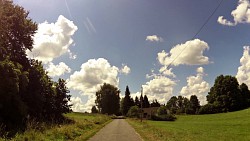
column 148, row 112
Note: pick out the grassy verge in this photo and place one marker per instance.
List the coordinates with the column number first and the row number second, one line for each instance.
column 221, row 127
column 85, row 126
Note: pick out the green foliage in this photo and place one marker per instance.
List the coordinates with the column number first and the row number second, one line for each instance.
column 155, row 103
column 94, row 110
column 127, row 102
column 26, row 91
column 166, row 117
column 108, row 99
column 81, row 127
column 133, row 112
column 162, row 110
column 137, row 101
column 145, row 103
column 16, row 32
column 226, row 95
column 12, row 108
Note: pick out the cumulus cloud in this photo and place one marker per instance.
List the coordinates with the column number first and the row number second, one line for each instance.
column 189, row 53
column 160, row 88
column 243, row 74
column 57, row 70
column 53, row 40
column 154, row 38
column 196, row 86
column 77, row 104
column 241, row 14
column 92, row 75
column 125, row 69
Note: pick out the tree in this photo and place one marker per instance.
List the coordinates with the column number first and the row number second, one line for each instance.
column 133, row 111
column 162, row 110
column 155, row 103
column 16, row 33
column 94, row 110
column 137, row 102
column 62, row 98
column 225, row 94
column 194, row 104
column 107, row 99
column 245, row 95
column 172, row 104
column 12, row 109
column 145, row 102
column 127, row 102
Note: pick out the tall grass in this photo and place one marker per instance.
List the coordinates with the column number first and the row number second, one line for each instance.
column 220, row 127
column 83, row 127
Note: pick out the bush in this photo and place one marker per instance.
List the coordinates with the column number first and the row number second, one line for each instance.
column 163, row 117
column 133, row 112
column 209, row 109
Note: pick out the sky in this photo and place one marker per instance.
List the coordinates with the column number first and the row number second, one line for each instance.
column 141, row 43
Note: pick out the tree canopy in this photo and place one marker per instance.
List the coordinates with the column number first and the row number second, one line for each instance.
column 26, row 91
column 108, row 99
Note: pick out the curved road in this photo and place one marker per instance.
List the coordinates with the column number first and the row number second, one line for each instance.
column 117, row 130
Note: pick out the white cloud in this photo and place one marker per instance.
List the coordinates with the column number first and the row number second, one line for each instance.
column 125, row 69
column 167, row 72
column 243, row 74
column 77, row 104
column 52, row 40
column 189, row 53
column 241, row 14
column 196, row 86
column 154, row 38
column 92, row 75
column 57, row 70
column 224, row 21
column 160, row 88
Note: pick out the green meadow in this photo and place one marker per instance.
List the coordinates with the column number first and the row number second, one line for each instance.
column 83, row 127
column 233, row 126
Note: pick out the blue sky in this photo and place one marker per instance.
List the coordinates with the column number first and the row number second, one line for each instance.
column 130, row 42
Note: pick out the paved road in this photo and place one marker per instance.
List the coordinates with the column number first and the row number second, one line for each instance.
column 117, row 130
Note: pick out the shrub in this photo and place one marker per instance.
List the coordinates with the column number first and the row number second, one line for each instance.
column 165, row 117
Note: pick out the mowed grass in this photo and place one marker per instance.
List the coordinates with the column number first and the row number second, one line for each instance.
column 234, row 126
column 84, row 126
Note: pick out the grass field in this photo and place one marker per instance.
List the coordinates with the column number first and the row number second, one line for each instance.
column 84, row 127
column 234, row 126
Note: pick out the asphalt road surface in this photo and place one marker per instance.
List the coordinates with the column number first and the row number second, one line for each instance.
column 117, row 130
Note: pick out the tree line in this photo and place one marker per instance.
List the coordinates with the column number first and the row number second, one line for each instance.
column 108, row 101
column 226, row 95
column 26, row 91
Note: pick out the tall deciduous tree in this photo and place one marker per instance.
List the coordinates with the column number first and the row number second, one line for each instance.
column 16, row 32
column 194, row 104
column 225, row 94
column 108, row 99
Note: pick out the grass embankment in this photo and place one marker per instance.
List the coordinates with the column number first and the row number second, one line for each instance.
column 84, row 126
column 220, row 127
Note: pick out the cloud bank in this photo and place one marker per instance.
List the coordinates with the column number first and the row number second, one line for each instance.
column 53, row 40
column 196, row 86
column 243, row 74
column 189, row 53
column 240, row 15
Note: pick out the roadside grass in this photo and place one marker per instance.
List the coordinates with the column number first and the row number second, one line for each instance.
column 220, row 127
column 83, row 127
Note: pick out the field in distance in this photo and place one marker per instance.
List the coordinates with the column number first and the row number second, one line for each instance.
column 220, row 127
